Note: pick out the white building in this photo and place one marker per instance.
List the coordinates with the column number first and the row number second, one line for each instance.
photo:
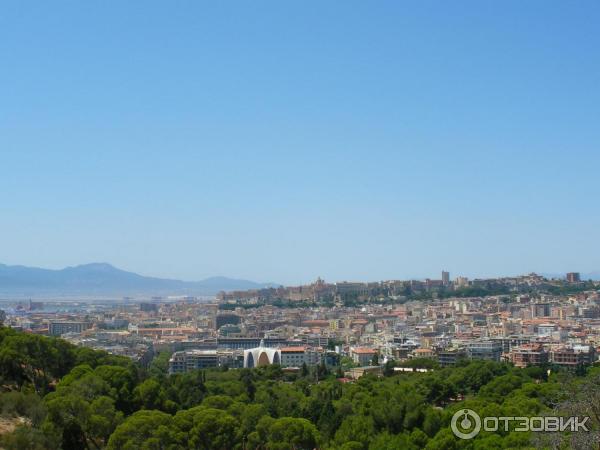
column 261, row 356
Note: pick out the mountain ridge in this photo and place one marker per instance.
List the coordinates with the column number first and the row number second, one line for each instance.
column 104, row 278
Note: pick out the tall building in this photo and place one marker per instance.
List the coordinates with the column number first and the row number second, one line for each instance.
column 445, row 278
column 573, row 277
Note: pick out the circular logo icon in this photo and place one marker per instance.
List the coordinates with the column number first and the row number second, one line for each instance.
column 465, row 424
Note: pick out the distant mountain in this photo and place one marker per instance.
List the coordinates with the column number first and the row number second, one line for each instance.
column 105, row 279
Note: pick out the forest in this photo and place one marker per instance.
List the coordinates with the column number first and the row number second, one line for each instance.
column 66, row 397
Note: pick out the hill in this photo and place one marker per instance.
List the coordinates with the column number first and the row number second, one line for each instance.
column 105, row 279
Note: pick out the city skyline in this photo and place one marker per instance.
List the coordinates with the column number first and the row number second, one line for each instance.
column 79, row 273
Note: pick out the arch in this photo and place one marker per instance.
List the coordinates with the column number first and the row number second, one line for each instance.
column 276, row 359
column 249, row 360
column 263, row 359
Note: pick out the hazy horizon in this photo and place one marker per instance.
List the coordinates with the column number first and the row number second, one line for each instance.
column 277, row 142
column 557, row 274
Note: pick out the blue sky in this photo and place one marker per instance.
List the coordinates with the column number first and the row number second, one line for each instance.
column 281, row 141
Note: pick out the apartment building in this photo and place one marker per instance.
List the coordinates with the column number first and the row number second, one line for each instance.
column 488, row 350
column 185, row 361
column 62, row 327
column 529, row 355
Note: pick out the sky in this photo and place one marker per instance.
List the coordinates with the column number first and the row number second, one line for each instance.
column 282, row 141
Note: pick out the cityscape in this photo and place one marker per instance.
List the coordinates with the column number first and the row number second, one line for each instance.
column 527, row 320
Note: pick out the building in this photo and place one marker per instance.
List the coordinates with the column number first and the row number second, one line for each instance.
column 227, row 319
column 445, row 278
column 33, row 306
column 344, row 288
column 148, row 307
column 592, row 312
column 461, row 282
column 422, row 353
column 297, row 356
column 450, row 357
column 509, row 342
column 293, row 356
column 540, row 310
column 314, row 340
column 62, row 327
column 356, row 372
column 188, row 360
column 362, row 356
column 573, row 277
column 261, row 356
column 573, row 357
column 244, row 343
column 529, row 355
column 485, row 349
column 546, row 329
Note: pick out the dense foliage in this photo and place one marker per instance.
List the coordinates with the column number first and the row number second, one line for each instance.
column 76, row 398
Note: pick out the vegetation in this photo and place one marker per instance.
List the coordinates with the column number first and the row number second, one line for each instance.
column 76, row 398
column 567, row 288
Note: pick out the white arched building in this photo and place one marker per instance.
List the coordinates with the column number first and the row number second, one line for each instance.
column 261, row 356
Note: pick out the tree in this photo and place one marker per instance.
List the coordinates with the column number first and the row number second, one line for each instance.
column 247, row 416
column 388, row 369
column 322, row 370
column 386, row 441
column 149, row 394
column 122, row 380
column 375, row 360
column 142, row 429
column 159, row 367
column 432, row 422
column 304, row 370
column 185, row 390
column 359, row 428
column 24, row 438
column 213, row 429
column 352, row 445
column 444, row 440
column 12, row 368
column 247, row 379
column 103, row 420
column 80, row 420
column 287, row 433
column 217, row 402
